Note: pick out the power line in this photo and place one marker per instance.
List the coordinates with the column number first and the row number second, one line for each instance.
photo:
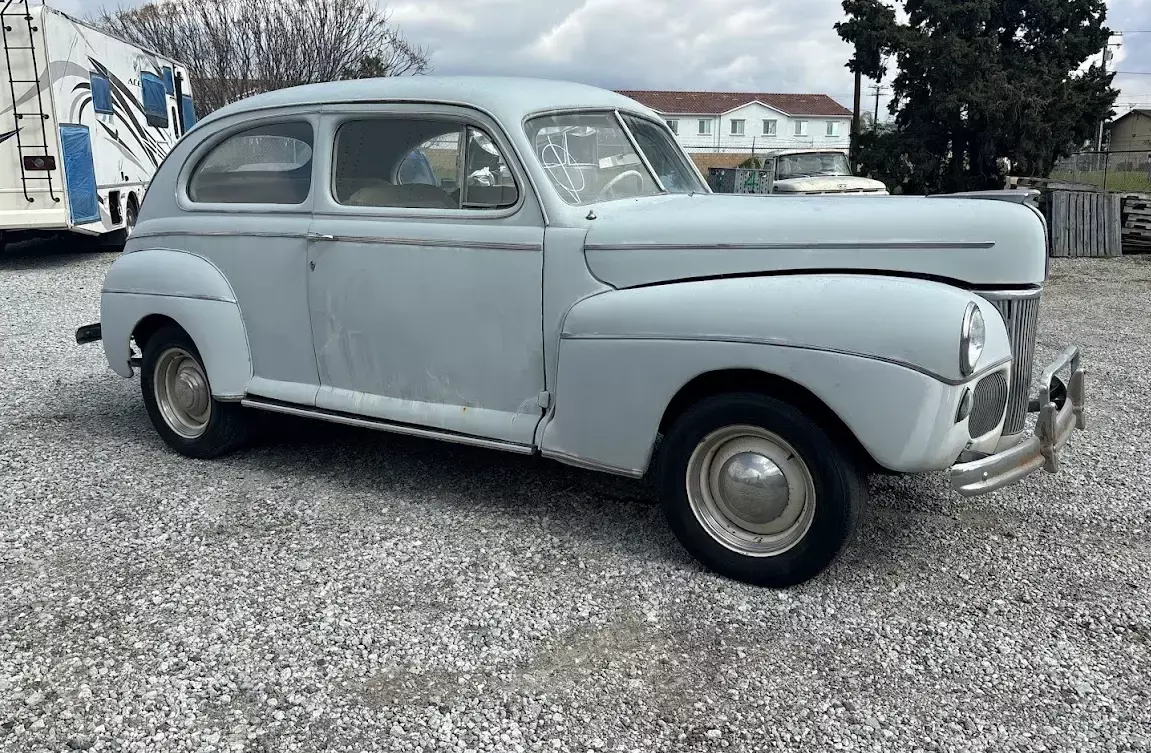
column 878, row 89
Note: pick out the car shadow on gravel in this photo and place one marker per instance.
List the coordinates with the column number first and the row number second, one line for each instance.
column 601, row 510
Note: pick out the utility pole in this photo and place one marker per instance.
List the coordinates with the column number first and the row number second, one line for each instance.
column 878, row 89
column 1107, row 55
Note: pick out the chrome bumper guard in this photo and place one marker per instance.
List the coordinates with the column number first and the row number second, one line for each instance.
column 1041, row 450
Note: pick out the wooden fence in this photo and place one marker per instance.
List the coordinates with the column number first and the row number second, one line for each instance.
column 1085, row 223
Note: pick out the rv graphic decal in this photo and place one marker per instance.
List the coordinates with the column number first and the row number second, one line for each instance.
column 5, row 136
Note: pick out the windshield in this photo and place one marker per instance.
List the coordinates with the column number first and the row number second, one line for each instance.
column 589, row 158
column 807, row 165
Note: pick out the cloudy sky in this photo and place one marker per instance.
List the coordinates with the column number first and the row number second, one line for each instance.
column 741, row 45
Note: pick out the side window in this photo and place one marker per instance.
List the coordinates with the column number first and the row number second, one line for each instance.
column 155, row 99
column 269, row 164
column 189, row 112
column 101, row 94
column 419, row 164
column 169, row 81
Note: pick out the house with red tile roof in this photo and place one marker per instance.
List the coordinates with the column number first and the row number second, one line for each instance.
column 743, row 123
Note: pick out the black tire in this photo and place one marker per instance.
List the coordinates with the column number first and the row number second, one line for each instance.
column 131, row 213
column 840, row 490
column 227, row 426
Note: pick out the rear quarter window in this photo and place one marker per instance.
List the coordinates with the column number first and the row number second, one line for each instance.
column 268, row 164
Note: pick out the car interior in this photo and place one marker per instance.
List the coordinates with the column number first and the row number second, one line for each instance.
column 369, row 154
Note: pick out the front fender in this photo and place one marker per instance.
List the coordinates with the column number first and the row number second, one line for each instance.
column 881, row 353
column 189, row 290
column 911, row 322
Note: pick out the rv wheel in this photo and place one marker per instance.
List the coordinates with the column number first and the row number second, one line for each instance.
column 130, row 214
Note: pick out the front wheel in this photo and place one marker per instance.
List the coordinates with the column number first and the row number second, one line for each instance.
column 179, row 401
column 757, row 491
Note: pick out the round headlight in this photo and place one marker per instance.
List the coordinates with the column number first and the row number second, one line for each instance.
column 971, row 340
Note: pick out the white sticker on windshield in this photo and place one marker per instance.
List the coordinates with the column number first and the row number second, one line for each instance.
column 618, row 160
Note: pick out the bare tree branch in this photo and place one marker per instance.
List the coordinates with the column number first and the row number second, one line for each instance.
column 236, row 48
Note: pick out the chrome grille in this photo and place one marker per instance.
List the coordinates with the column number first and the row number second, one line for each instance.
column 987, row 404
column 1020, row 310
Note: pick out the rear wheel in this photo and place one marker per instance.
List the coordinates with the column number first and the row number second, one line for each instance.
column 757, row 491
column 179, row 401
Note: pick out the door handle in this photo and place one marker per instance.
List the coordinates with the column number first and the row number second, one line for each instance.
column 321, row 237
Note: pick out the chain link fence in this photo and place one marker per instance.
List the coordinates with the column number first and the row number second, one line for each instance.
column 1121, row 171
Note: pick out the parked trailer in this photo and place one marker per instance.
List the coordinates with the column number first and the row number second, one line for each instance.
column 85, row 120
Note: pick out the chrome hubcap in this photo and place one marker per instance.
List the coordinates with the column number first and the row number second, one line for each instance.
column 182, row 393
column 750, row 491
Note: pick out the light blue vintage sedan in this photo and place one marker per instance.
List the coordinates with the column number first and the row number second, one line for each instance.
column 566, row 284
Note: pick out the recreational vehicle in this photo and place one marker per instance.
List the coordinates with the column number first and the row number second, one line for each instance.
column 85, row 119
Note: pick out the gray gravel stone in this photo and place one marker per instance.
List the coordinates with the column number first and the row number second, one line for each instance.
column 469, row 600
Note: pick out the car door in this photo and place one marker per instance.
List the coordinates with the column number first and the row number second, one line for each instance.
column 424, row 287
column 249, row 202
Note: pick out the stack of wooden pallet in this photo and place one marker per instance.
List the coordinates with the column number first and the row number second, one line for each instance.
column 1137, row 224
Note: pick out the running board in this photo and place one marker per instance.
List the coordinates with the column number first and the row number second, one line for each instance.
column 362, row 422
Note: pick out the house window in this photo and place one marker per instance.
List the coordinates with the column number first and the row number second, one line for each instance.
column 155, row 99
column 704, row 127
column 801, row 128
column 833, row 128
column 770, row 127
column 101, row 94
column 737, row 128
column 674, row 126
column 268, row 164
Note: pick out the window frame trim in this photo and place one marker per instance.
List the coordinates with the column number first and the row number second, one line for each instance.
column 184, row 201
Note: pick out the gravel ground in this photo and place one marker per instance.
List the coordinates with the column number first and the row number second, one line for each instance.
column 342, row 590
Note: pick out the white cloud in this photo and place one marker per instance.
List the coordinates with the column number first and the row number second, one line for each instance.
column 763, row 45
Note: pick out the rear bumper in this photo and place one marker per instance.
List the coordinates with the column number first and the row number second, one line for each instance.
column 89, row 333
column 1040, row 450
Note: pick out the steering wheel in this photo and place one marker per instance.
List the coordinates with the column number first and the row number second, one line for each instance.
column 611, row 183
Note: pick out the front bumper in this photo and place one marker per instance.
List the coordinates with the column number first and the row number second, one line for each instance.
column 1039, row 451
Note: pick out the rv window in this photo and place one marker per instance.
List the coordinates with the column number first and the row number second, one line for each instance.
column 155, row 99
column 101, row 94
column 169, row 81
column 269, row 164
column 189, row 108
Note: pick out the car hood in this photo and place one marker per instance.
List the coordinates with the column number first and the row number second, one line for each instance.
column 669, row 238
column 828, row 184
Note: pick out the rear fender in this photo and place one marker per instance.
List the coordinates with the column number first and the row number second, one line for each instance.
column 193, row 293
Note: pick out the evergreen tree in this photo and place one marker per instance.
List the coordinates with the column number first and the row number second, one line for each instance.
column 980, row 81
